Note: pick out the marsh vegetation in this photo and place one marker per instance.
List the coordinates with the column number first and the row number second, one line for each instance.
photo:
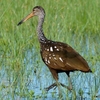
column 23, row 75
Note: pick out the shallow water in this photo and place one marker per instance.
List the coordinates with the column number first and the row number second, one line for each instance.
column 37, row 77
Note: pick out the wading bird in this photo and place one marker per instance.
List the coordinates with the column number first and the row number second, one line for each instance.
column 58, row 56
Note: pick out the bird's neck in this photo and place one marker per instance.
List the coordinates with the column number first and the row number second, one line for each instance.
column 41, row 35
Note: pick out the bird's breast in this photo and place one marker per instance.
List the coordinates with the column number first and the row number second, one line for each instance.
column 52, row 59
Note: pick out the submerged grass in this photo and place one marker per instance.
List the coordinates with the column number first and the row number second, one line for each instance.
column 73, row 21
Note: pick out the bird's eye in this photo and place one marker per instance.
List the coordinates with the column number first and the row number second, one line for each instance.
column 34, row 10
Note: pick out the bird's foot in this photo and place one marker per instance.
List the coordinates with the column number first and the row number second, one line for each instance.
column 55, row 85
column 68, row 87
column 51, row 86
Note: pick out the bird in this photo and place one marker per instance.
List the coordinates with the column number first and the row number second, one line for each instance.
column 58, row 56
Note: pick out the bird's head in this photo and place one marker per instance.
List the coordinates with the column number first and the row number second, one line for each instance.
column 37, row 11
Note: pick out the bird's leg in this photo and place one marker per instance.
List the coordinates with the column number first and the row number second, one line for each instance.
column 70, row 84
column 55, row 85
column 69, row 81
column 55, row 76
column 66, row 86
column 51, row 86
column 59, row 90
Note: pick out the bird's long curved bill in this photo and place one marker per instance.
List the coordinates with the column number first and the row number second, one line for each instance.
column 26, row 18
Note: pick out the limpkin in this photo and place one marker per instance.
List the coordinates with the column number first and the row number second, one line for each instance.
column 58, row 56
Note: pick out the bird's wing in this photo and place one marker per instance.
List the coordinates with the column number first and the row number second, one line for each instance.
column 66, row 58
